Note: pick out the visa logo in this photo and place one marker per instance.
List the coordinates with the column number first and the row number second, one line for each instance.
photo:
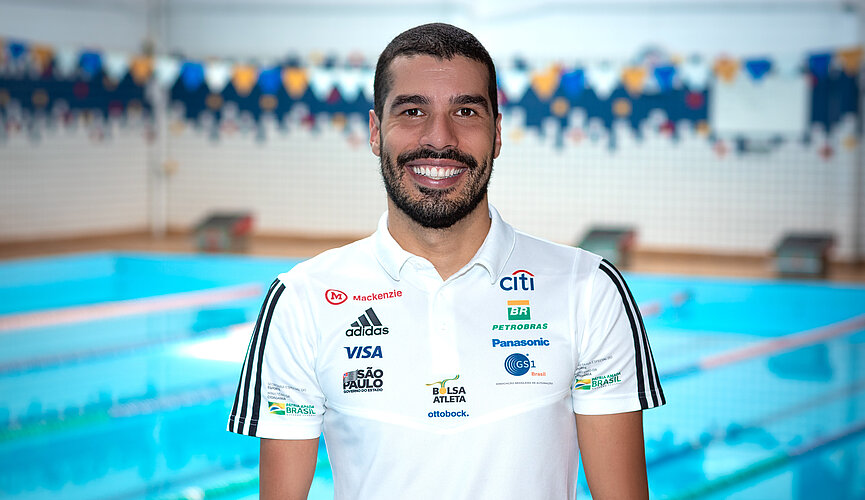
column 363, row 351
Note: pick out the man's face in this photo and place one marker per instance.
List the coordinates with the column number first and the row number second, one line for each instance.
column 437, row 138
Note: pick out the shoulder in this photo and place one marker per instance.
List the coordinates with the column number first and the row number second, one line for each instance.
column 336, row 261
column 554, row 257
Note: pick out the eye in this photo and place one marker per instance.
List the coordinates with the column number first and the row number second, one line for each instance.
column 466, row 112
column 412, row 112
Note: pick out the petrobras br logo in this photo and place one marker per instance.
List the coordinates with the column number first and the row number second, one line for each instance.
column 518, row 364
column 519, row 281
column 363, row 352
column 519, row 310
column 366, row 324
column 335, row 297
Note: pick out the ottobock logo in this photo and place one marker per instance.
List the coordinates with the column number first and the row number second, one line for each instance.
column 366, row 324
column 519, row 310
column 519, row 280
column 518, row 364
column 444, row 394
column 335, row 297
column 363, row 352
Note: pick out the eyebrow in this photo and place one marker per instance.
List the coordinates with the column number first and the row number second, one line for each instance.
column 403, row 99
column 470, row 99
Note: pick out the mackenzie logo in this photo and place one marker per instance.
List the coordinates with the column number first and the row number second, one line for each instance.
column 335, row 297
column 519, row 280
column 366, row 324
column 378, row 296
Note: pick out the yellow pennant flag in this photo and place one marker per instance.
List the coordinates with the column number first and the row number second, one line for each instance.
column 42, row 55
column 141, row 68
column 633, row 79
column 726, row 69
column 295, row 81
column 546, row 82
column 850, row 60
column 244, row 79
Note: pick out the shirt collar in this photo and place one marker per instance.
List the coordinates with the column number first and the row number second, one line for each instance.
column 492, row 255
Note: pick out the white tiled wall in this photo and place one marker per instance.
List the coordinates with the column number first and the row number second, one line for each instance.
column 70, row 183
column 678, row 194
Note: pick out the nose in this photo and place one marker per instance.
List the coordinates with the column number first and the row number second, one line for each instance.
column 439, row 133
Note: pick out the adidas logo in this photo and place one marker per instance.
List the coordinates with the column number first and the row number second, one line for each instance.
column 366, row 324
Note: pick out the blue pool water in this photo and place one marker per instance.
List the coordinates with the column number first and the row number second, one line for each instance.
column 113, row 401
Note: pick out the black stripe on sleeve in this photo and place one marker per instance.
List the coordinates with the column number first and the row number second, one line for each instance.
column 235, row 424
column 631, row 310
column 256, row 402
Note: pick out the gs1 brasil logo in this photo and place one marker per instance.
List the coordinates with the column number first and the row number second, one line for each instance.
column 518, row 364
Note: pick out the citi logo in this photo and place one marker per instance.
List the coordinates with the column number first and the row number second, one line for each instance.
column 335, row 297
column 519, row 280
column 366, row 324
column 363, row 352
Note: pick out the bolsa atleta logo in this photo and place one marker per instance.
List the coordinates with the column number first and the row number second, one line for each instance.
column 366, row 324
column 445, row 394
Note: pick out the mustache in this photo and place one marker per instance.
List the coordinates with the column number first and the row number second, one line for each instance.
column 447, row 154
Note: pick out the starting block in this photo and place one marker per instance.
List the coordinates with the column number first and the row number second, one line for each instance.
column 612, row 243
column 224, row 232
column 804, row 255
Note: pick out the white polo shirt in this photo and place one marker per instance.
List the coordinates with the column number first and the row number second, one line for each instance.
column 461, row 389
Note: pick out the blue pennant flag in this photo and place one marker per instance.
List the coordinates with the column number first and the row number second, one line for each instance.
column 573, row 83
column 758, row 68
column 90, row 63
column 818, row 64
column 16, row 49
column 269, row 80
column 192, row 75
column 664, row 75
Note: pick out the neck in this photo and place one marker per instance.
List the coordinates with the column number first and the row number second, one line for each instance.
column 447, row 249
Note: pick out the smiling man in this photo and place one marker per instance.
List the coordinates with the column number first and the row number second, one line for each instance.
column 447, row 356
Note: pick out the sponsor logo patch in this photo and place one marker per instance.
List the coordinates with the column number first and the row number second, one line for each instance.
column 392, row 294
column 363, row 352
column 364, row 380
column 366, row 324
column 518, row 364
column 587, row 384
column 335, row 297
column 445, row 394
column 276, row 408
column 519, row 310
column 519, row 280
column 540, row 342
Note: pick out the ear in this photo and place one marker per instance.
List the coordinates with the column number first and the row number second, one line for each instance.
column 497, row 147
column 374, row 133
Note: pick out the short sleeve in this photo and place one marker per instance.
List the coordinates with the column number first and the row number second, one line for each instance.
column 616, row 371
column 278, row 395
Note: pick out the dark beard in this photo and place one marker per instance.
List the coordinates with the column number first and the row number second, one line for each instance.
column 433, row 211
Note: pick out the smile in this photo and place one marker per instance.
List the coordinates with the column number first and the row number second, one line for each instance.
column 437, row 173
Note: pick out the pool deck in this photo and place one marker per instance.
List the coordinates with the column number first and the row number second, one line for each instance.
column 643, row 260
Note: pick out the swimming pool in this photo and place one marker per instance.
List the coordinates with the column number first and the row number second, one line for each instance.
column 117, row 372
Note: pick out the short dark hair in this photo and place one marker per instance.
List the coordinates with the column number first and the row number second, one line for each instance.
column 439, row 40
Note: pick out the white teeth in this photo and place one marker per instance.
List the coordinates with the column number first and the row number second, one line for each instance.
column 437, row 173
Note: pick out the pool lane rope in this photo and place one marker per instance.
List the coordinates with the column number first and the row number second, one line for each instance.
column 772, row 346
column 13, row 323
column 775, row 461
